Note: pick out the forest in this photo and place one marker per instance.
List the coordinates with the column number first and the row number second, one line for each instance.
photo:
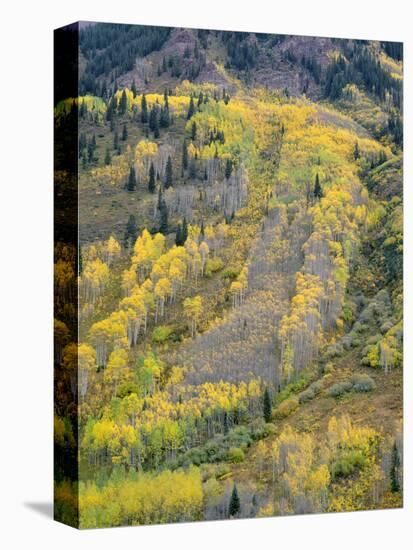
column 236, row 345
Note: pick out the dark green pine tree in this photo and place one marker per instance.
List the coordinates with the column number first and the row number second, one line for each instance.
column 200, row 99
column 234, row 503
column 151, row 182
column 133, row 89
column 131, row 185
column 184, row 231
column 228, row 169
column 168, row 173
column 192, row 168
column 154, row 121
column 191, row 108
column 83, row 109
column 193, row 131
column 318, row 191
column 356, row 152
column 267, row 407
column 184, row 156
column 202, row 230
column 108, row 158
column 124, row 133
column 144, row 110
column 163, row 213
column 394, row 470
column 164, row 119
column 131, row 230
column 116, row 141
column 178, row 236
column 123, row 103
column 152, row 118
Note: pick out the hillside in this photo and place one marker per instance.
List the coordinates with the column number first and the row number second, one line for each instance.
column 240, row 276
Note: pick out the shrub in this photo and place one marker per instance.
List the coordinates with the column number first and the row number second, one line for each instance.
column 230, row 272
column 161, row 334
column 286, row 408
column 239, row 437
column 334, row 350
column 214, row 264
column 386, row 326
column 347, row 464
column 363, row 383
column 329, row 368
column 235, row 455
column 306, row 395
column 296, row 386
column 339, row 389
column 196, row 456
column 222, row 470
column 313, row 390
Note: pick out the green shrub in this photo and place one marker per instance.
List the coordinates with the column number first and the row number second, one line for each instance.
column 347, row 464
column 222, row 470
column 306, row 395
column 230, row 272
column 286, row 408
column 298, row 385
column 260, row 429
column 161, row 334
column 235, row 455
column 329, row 368
column 363, row 383
column 214, row 264
column 339, row 389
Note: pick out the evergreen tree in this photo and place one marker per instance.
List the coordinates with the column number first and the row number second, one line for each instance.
column 125, row 133
column 133, row 89
column 191, row 108
column 108, row 158
column 131, row 185
column 192, row 169
column 152, row 118
column 318, row 191
column 116, row 140
column 179, row 236
column 123, row 103
column 154, row 121
column 168, row 173
column 163, row 211
column 184, row 231
column 131, row 229
column 184, row 156
column 394, row 470
column 356, row 152
column 144, row 110
column 267, row 406
column 234, row 503
column 193, row 131
column 83, row 109
column 228, row 169
column 200, row 99
column 164, row 119
column 151, row 183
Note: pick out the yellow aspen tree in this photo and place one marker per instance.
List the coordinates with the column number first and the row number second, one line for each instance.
column 193, row 309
